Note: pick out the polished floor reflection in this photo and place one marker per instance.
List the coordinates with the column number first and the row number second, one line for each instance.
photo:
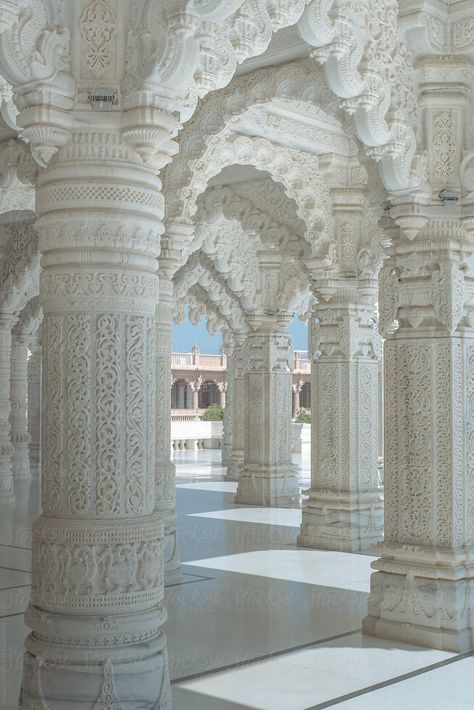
column 256, row 622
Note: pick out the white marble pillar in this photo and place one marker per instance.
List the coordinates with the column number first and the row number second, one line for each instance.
column 296, row 392
column 165, row 470
column 7, row 322
column 222, row 394
column 20, row 435
column 34, row 404
column 195, row 387
column 344, row 509
column 228, row 410
column 96, row 611
column 180, row 390
column 239, row 407
column 423, row 589
column 268, row 476
column 381, row 417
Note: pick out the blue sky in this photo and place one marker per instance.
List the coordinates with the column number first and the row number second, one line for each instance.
column 185, row 335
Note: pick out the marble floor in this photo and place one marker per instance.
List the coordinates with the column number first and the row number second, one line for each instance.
column 256, row 622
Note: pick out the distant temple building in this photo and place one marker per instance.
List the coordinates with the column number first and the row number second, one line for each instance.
column 200, row 380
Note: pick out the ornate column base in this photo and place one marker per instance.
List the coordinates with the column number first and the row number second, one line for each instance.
column 423, row 596
column 106, row 678
column 270, row 486
column 96, row 615
column 348, row 523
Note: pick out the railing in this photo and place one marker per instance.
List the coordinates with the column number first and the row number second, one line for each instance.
column 219, row 362
column 196, row 360
column 186, row 415
column 182, row 359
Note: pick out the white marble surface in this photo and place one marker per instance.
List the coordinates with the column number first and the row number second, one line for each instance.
column 248, row 593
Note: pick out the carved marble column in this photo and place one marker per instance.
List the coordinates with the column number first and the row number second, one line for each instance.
column 165, row 470
column 7, row 322
column 195, row 387
column 268, row 476
column 34, row 403
column 180, row 395
column 222, row 394
column 20, row 436
column 296, row 394
column 96, row 609
column 344, row 510
column 228, row 410
column 423, row 590
column 239, row 407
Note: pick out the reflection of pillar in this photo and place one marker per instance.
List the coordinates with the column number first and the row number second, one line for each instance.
column 165, row 490
column 19, row 413
column 34, row 404
column 180, row 395
column 228, row 410
column 6, row 446
column 268, row 476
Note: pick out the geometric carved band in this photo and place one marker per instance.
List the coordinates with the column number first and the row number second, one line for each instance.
column 91, row 565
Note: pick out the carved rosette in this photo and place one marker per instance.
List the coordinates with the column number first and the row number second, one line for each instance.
column 268, row 476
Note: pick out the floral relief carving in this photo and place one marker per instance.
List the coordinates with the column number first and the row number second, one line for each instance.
column 444, row 143
column 98, row 26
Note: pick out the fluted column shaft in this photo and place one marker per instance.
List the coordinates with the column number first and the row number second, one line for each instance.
column 6, row 447
column 19, row 408
column 268, row 476
column 165, row 470
column 34, row 406
column 96, row 607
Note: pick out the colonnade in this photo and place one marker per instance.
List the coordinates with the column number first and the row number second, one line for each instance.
column 101, row 121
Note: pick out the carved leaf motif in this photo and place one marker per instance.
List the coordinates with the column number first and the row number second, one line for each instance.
column 98, row 26
column 444, row 144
